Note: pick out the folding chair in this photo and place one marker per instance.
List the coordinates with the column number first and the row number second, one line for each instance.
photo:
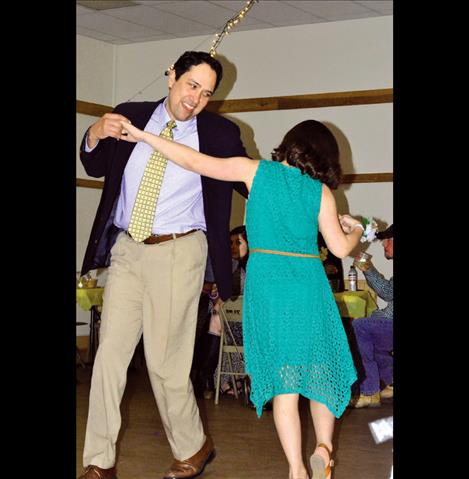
column 232, row 310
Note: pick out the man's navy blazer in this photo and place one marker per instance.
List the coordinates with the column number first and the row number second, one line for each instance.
column 218, row 136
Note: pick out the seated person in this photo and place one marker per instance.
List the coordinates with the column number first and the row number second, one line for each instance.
column 333, row 266
column 374, row 335
column 240, row 256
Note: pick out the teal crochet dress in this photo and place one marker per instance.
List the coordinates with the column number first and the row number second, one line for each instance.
column 294, row 340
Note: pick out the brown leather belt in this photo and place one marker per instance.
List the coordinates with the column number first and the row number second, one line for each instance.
column 155, row 239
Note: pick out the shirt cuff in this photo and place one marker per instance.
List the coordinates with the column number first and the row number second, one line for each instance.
column 87, row 148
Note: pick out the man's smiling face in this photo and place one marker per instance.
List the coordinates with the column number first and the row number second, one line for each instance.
column 190, row 93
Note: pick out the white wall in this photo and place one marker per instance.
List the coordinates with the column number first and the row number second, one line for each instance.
column 95, row 84
column 306, row 59
column 317, row 58
column 95, row 70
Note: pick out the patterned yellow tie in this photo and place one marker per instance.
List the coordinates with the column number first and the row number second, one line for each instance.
column 143, row 213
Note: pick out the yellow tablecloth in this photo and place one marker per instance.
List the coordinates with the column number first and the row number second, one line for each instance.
column 89, row 297
column 355, row 304
column 351, row 304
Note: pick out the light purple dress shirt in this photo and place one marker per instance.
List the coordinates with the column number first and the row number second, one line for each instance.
column 180, row 206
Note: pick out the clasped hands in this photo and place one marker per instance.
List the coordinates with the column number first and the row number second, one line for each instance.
column 116, row 126
column 130, row 132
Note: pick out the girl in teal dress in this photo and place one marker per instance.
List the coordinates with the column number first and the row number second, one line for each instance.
column 294, row 340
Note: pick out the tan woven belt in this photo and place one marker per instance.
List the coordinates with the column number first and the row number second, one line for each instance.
column 283, row 253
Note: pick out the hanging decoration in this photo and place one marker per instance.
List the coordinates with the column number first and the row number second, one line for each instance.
column 229, row 25
column 232, row 22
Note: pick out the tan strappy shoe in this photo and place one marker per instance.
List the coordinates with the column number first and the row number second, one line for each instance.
column 320, row 469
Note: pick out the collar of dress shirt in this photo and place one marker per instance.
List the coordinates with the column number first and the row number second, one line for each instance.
column 162, row 117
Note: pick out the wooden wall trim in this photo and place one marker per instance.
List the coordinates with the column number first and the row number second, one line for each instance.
column 368, row 178
column 319, row 100
column 92, row 109
column 90, row 183
column 352, row 178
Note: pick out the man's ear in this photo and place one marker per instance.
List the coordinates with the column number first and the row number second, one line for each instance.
column 171, row 78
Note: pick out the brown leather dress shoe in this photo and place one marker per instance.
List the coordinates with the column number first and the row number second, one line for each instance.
column 193, row 466
column 95, row 472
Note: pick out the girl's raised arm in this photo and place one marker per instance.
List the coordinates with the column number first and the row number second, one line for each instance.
column 236, row 168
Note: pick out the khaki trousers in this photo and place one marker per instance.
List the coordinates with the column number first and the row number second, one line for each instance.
column 154, row 290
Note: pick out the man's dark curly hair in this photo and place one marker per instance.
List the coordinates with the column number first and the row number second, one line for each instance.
column 311, row 147
column 191, row 58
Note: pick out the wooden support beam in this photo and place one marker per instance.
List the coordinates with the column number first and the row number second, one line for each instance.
column 368, row 178
column 84, row 183
column 319, row 100
column 92, row 109
column 351, row 178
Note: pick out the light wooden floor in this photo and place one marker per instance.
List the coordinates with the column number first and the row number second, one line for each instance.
column 247, row 447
